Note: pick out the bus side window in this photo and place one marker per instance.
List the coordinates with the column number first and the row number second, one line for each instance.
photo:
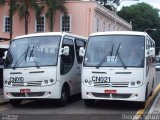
column 67, row 61
column 79, row 43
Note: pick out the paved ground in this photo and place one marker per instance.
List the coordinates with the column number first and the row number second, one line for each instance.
column 1, row 96
column 156, row 108
column 2, row 100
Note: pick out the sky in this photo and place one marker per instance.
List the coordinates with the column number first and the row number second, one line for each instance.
column 154, row 3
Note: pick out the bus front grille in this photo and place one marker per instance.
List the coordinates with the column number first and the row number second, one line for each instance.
column 113, row 84
column 32, row 94
column 107, row 95
column 29, row 83
column 101, row 95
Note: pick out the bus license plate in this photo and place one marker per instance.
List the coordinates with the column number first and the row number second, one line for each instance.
column 110, row 91
column 25, row 91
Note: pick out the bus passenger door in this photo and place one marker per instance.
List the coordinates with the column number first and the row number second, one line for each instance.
column 79, row 43
column 68, row 68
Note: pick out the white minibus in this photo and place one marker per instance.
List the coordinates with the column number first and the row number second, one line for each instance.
column 118, row 65
column 43, row 66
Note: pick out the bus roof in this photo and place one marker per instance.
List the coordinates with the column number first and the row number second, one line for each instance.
column 120, row 33
column 49, row 34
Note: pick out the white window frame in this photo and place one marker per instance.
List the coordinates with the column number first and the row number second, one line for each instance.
column 4, row 24
column 44, row 24
column 70, row 23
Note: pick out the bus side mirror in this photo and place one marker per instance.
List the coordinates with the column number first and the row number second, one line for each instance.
column 5, row 54
column 81, row 51
column 65, row 51
column 152, row 51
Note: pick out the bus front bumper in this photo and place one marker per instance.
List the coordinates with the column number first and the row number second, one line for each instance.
column 112, row 93
column 46, row 92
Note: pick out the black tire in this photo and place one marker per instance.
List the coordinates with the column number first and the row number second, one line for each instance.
column 152, row 88
column 89, row 102
column 64, row 97
column 141, row 105
column 15, row 102
column 146, row 95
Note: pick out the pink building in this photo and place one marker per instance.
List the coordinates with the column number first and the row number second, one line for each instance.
column 84, row 17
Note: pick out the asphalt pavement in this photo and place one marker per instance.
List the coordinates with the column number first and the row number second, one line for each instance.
column 2, row 100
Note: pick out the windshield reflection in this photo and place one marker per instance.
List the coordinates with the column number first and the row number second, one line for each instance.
column 34, row 51
column 120, row 50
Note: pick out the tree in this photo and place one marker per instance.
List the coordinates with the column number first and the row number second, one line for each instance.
column 23, row 10
column 109, row 4
column 12, row 10
column 143, row 16
column 2, row 2
column 53, row 6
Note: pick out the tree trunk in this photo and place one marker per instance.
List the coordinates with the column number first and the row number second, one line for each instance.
column 26, row 21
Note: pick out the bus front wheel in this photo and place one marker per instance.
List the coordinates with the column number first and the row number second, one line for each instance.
column 89, row 102
column 64, row 97
column 15, row 102
column 141, row 105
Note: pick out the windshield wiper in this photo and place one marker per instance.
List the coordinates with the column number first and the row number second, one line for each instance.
column 20, row 58
column 120, row 58
column 105, row 57
column 33, row 55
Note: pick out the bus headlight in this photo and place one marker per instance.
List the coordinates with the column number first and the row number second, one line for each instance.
column 6, row 82
column 88, row 82
column 51, row 80
column 138, row 82
column 132, row 83
column 46, row 81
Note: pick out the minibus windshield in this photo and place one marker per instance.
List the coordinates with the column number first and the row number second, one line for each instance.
column 33, row 51
column 115, row 51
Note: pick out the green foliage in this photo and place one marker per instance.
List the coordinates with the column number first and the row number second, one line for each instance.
column 109, row 3
column 12, row 10
column 23, row 10
column 25, row 6
column 143, row 16
column 52, row 7
column 2, row 2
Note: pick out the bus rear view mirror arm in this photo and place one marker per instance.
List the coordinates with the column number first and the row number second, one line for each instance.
column 81, row 51
column 65, row 51
column 5, row 54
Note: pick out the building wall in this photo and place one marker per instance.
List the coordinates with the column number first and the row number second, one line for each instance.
column 86, row 17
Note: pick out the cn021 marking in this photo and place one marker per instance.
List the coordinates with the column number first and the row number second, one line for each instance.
column 100, row 79
column 16, row 79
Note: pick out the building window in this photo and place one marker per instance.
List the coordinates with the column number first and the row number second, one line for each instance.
column 40, row 24
column 6, row 24
column 66, row 23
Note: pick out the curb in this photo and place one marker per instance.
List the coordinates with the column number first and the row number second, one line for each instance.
column 142, row 112
column 154, row 104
